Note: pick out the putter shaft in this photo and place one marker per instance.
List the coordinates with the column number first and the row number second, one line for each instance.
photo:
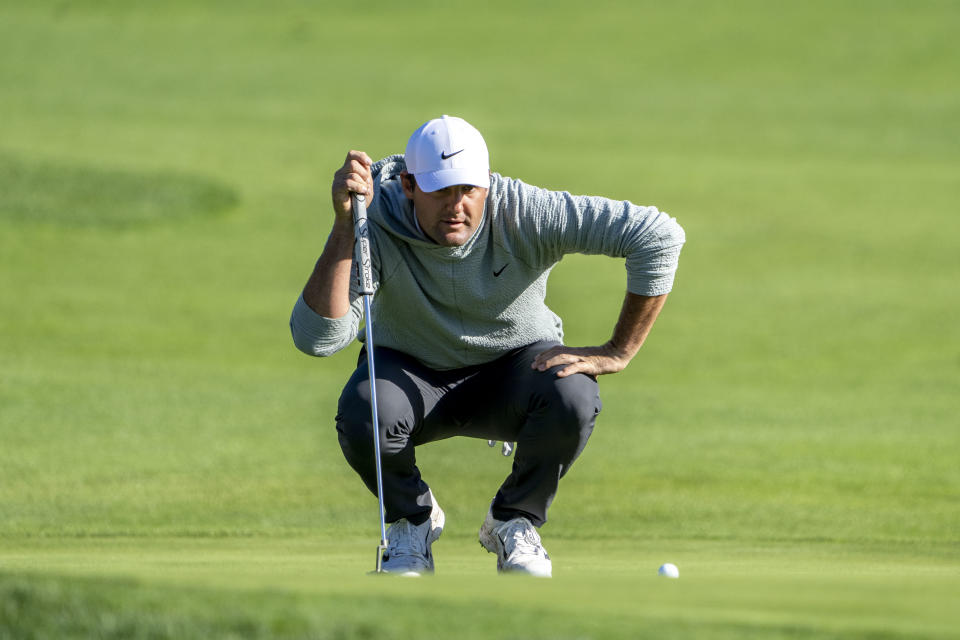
column 365, row 278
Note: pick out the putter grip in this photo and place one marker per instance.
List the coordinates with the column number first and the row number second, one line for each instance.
column 362, row 245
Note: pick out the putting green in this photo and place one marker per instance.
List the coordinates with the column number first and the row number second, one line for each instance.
column 725, row 589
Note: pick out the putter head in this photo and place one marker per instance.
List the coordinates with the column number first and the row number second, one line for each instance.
column 380, row 549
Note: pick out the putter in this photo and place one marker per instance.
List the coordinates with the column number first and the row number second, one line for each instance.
column 365, row 278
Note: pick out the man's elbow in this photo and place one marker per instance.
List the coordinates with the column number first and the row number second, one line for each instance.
column 310, row 345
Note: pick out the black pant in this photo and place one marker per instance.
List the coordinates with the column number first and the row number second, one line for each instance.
column 549, row 418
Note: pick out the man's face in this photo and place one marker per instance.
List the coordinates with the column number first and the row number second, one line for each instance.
column 448, row 216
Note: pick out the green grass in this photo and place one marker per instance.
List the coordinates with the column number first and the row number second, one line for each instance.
column 731, row 591
column 86, row 196
column 787, row 437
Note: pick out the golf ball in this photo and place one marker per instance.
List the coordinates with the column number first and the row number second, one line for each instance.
column 668, row 571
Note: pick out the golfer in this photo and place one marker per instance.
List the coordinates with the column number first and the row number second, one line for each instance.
column 465, row 344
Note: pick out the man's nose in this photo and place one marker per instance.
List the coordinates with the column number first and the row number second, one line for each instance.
column 457, row 200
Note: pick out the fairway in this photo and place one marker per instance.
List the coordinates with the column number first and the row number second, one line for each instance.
column 788, row 435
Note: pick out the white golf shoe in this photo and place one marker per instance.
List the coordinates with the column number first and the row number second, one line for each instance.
column 408, row 545
column 517, row 545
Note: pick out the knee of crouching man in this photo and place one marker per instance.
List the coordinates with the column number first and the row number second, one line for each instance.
column 576, row 400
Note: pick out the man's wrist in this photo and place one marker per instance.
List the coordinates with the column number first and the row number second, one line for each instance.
column 342, row 229
column 342, row 222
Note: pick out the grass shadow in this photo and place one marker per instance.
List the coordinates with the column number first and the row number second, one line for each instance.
column 78, row 196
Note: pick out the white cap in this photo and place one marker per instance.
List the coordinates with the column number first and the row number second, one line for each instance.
column 448, row 151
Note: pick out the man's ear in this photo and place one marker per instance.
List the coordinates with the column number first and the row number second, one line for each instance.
column 409, row 184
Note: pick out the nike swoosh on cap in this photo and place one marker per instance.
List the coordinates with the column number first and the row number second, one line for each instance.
column 446, row 156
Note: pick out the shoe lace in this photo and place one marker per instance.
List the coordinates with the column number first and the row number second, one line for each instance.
column 403, row 540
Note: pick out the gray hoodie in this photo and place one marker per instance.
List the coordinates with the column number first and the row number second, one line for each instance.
column 452, row 307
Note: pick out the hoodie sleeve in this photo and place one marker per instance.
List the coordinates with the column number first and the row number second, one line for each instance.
column 317, row 335
column 554, row 223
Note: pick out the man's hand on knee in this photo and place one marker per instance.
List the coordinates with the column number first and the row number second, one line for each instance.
column 593, row 361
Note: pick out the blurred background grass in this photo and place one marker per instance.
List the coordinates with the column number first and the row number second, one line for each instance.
column 800, row 388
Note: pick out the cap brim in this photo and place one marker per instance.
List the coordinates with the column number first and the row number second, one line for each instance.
column 436, row 180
